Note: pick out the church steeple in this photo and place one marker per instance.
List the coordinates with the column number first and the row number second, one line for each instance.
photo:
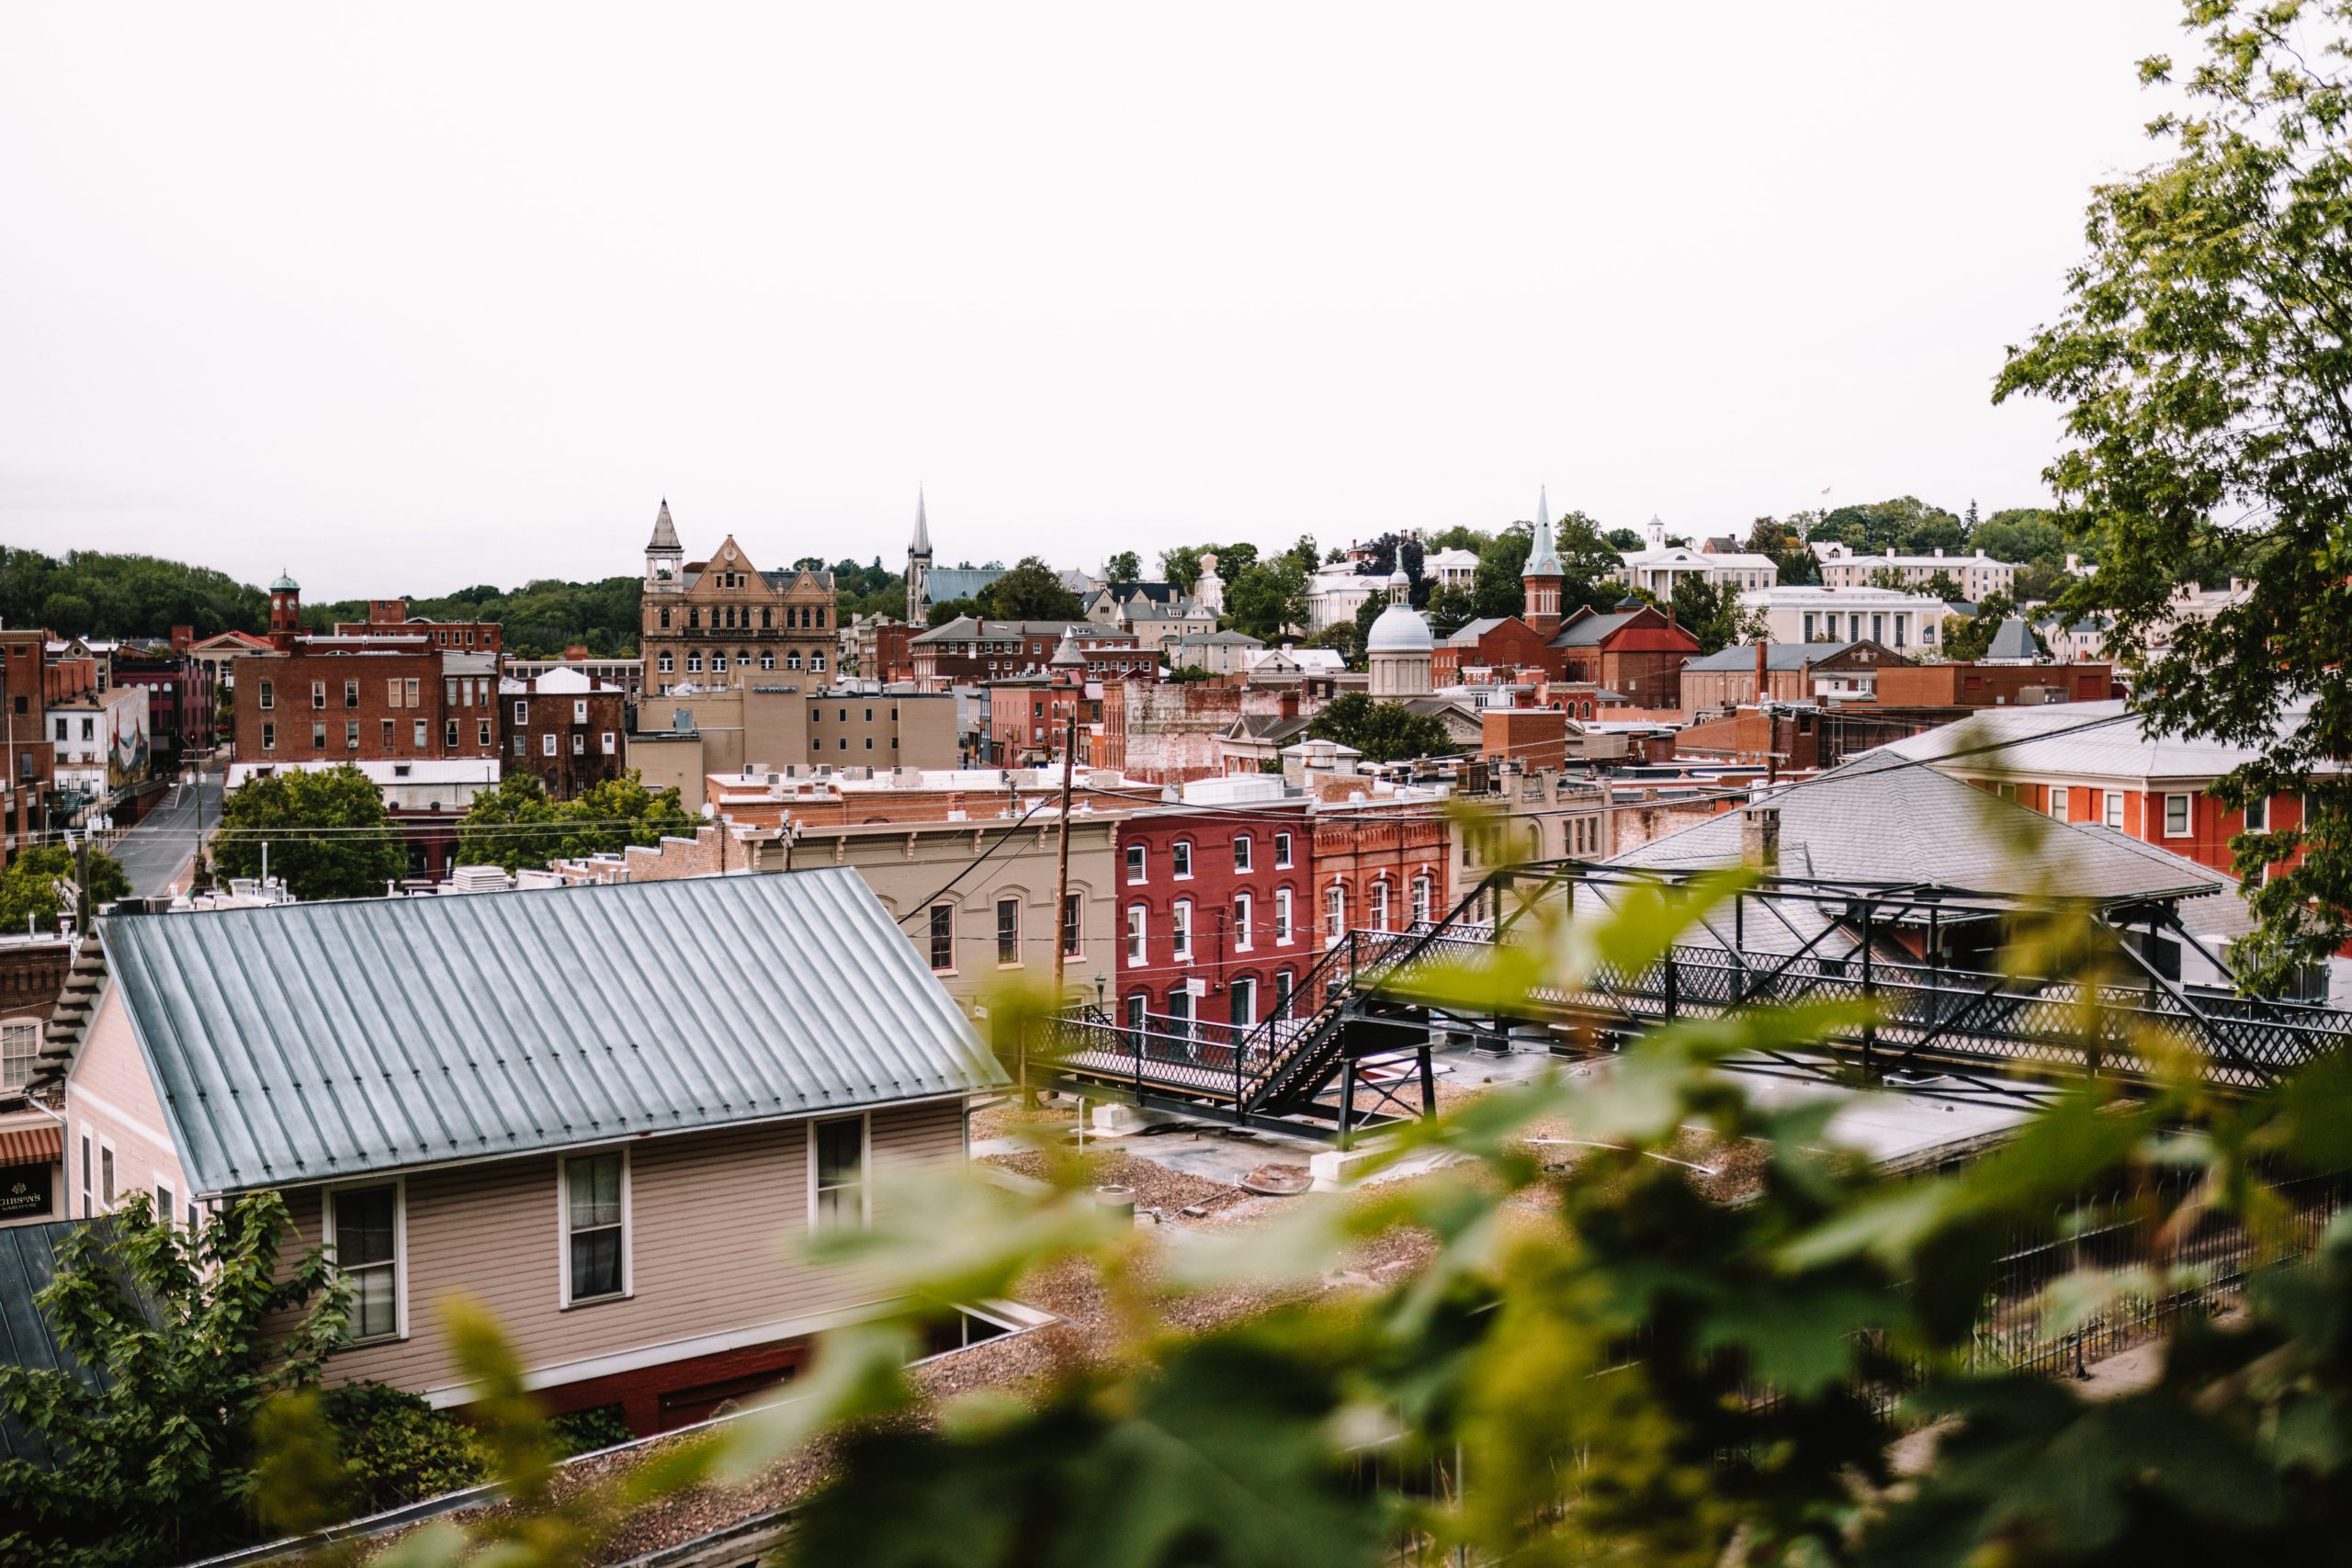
column 1543, row 576
column 919, row 565
column 665, row 559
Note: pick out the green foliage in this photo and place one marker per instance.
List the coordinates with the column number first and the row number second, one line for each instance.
column 1622, row 539
column 156, row 1458
column 91, row 592
column 30, row 896
column 1588, row 561
column 1185, row 674
column 397, row 1449
column 517, row 825
column 1267, row 598
column 1031, row 591
column 1497, row 590
column 948, row 610
column 328, row 833
column 1906, row 525
column 868, row 590
column 1383, row 732
column 1450, row 609
column 1710, row 611
column 1124, row 567
column 586, row 1431
column 1181, row 566
column 1784, row 541
column 1965, row 639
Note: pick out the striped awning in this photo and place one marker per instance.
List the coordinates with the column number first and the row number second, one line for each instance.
column 31, row 1145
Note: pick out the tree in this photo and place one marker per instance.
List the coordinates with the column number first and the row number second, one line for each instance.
column 30, row 896
column 1124, row 567
column 1497, row 589
column 1622, row 539
column 948, row 610
column 1785, row 542
column 1966, row 639
column 1711, row 612
column 1383, row 732
column 2024, row 536
column 1268, row 598
column 1450, row 609
column 194, row 1331
column 1346, row 637
column 1181, row 567
column 517, row 825
column 327, row 832
column 1031, row 591
column 2201, row 364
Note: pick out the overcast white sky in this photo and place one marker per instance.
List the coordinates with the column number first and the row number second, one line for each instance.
column 406, row 299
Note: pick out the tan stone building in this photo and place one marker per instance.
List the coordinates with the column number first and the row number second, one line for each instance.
column 725, row 621
column 684, row 737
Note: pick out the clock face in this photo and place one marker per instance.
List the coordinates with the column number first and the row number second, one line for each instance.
column 731, row 552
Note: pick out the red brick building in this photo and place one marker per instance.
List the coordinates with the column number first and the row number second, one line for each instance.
column 1379, row 866
column 396, row 701
column 391, row 615
column 1496, row 642
column 968, row 651
column 31, row 761
column 565, row 728
column 1636, row 651
column 1216, row 923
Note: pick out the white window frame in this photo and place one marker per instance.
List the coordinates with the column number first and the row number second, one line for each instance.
column 83, row 1179
column 523, row 707
column 1245, row 910
column 865, row 1168
column 1179, row 929
column 1334, row 912
column 1242, row 855
column 399, row 1185
column 1281, row 851
column 2187, row 817
column 2111, row 809
column 1138, row 939
column 30, row 1057
column 2261, row 808
column 1282, row 930
column 1180, row 860
column 2057, row 800
column 1424, row 899
column 546, row 744
column 564, row 1298
column 166, row 1201
column 1379, row 911
column 109, row 1185
column 1003, row 904
column 1138, row 865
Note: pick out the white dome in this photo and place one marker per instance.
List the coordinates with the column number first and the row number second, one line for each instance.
column 1400, row 630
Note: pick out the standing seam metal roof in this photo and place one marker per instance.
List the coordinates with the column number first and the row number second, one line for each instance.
column 327, row 1041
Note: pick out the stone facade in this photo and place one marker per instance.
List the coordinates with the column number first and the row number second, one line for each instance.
column 725, row 621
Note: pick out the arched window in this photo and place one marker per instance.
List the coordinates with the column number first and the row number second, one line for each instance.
column 665, row 617
column 717, row 662
column 666, row 661
column 693, row 663
column 1335, row 911
column 767, row 619
column 792, row 659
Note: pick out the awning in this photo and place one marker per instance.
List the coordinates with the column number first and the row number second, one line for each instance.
column 32, row 1146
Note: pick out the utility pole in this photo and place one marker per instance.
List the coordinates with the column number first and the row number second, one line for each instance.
column 1062, row 870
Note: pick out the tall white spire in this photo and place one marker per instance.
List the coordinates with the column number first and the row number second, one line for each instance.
column 1542, row 556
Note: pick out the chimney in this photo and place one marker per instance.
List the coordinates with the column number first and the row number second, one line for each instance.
column 1760, row 837
column 1761, row 651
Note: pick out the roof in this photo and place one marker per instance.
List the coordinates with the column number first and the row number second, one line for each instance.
column 1777, row 656
column 1880, row 818
column 941, row 583
column 967, row 627
column 1399, row 628
column 2100, row 739
column 1583, row 631
column 2013, row 640
column 285, row 584
column 1468, row 633
column 1153, row 593
column 1220, row 640
column 27, row 1337
column 322, row 1040
column 1542, row 555
column 1268, row 727
column 665, row 532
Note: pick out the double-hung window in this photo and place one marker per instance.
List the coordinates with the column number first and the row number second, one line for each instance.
column 2113, row 808
column 1421, row 890
column 1282, row 916
column 1135, row 863
column 1241, row 851
column 1136, row 941
column 1334, row 912
column 595, row 1227
column 19, row 1046
column 942, row 936
column 1180, row 933
column 2176, row 816
column 1380, row 905
column 363, row 1234
column 837, row 1187
column 1008, row 931
column 1069, row 926
column 1281, row 851
column 2056, row 797
column 2258, row 815
column 1242, row 911
column 1180, row 858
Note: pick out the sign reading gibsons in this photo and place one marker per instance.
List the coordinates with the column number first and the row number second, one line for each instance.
column 24, row 1192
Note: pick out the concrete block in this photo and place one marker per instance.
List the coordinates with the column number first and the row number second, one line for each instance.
column 1335, row 1169
column 1118, row 1120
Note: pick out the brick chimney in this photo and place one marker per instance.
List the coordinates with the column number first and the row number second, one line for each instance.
column 1760, row 664
column 1760, row 837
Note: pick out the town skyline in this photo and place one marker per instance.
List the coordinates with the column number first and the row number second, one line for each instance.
column 396, row 332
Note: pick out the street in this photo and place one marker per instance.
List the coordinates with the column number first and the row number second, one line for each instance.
column 157, row 855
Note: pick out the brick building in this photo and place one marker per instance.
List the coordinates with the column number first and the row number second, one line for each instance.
column 566, row 729
column 365, row 700
column 1636, row 651
column 968, row 650
column 1217, row 918
column 1504, row 642
column 31, row 762
column 1168, row 733
column 391, row 615
column 180, row 697
column 1379, row 864
column 724, row 621
column 1967, row 685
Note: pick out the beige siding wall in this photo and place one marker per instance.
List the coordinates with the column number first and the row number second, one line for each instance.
column 110, row 1097
column 715, row 1221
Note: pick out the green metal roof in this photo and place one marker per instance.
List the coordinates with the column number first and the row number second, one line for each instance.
column 324, row 1041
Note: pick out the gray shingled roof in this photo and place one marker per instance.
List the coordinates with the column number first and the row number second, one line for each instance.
column 1591, row 629
column 941, row 583
column 1777, row 656
column 1881, row 818
column 324, row 1041
column 2014, row 639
